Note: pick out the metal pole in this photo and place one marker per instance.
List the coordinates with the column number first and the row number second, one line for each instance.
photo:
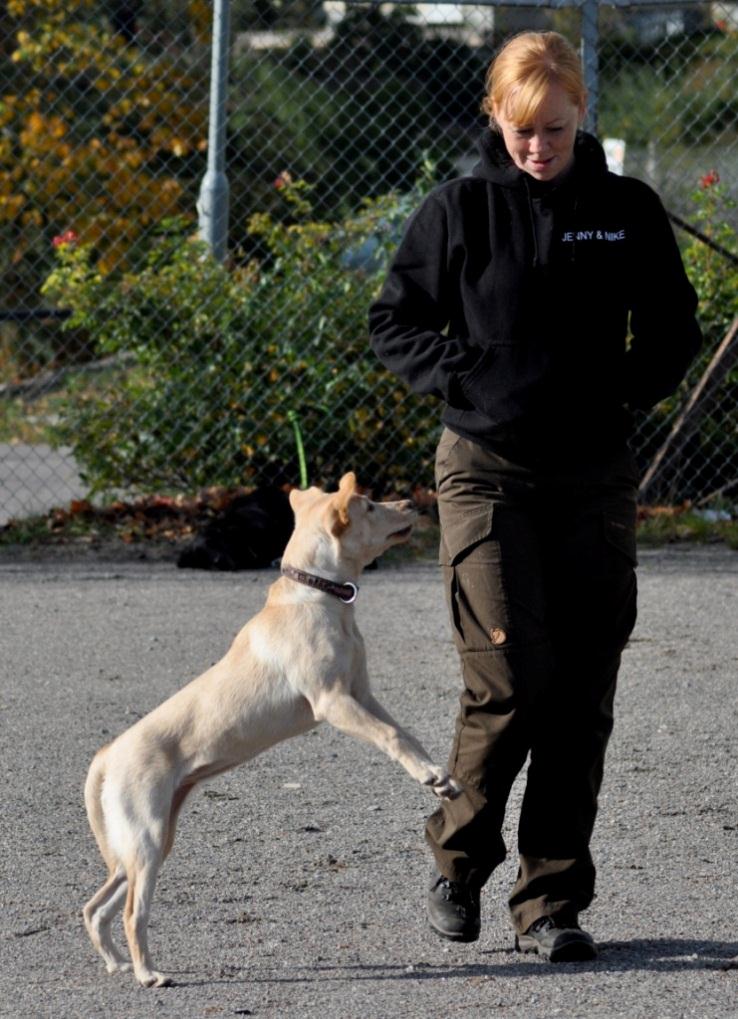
column 590, row 38
column 212, row 204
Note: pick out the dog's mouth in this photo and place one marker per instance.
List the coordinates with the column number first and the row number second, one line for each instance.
column 402, row 535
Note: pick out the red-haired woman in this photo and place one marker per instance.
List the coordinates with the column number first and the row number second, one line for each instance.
column 540, row 298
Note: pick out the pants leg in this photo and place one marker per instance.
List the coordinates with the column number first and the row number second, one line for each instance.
column 496, row 598
column 591, row 602
column 541, row 589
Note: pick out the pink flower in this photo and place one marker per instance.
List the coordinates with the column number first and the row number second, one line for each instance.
column 283, row 180
column 711, row 178
column 68, row 237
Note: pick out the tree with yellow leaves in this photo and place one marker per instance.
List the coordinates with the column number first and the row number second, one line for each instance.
column 98, row 134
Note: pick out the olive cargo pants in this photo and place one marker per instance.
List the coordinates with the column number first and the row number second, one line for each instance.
column 541, row 588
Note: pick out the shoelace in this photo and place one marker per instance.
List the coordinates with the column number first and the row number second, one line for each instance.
column 452, row 890
column 547, row 923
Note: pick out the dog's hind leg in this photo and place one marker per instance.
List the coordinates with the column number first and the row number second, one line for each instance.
column 178, row 799
column 142, row 875
column 99, row 913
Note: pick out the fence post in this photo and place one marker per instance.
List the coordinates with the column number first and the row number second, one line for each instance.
column 212, row 204
column 590, row 39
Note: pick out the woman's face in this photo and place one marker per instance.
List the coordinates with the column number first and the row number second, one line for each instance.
column 545, row 147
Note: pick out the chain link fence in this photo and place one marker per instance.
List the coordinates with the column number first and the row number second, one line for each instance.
column 130, row 361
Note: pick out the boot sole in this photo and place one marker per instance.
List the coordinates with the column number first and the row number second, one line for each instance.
column 571, row 949
column 465, row 937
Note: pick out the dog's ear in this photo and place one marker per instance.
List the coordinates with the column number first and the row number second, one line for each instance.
column 301, row 496
column 340, row 512
column 296, row 495
column 347, row 485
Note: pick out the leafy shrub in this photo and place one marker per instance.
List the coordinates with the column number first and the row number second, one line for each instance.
column 216, row 359
column 715, row 279
column 710, row 459
column 217, row 362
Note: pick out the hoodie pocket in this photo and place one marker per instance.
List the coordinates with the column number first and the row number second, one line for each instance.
column 501, row 384
column 480, row 367
column 475, row 383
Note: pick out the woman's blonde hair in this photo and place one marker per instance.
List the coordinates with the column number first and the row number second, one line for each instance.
column 523, row 70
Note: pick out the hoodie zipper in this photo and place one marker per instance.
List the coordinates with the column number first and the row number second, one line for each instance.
column 532, row 218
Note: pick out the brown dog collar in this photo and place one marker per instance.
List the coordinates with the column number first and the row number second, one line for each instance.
column 346, row 592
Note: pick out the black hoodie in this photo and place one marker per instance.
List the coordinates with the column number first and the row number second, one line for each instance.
column 536, row 312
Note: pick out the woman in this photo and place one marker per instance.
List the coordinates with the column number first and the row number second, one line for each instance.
column 538, row 298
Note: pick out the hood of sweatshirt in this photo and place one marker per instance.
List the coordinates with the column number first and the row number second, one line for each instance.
column 538, row 200
column 496, row 165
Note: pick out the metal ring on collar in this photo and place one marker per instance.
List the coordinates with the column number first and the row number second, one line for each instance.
column 352, row 597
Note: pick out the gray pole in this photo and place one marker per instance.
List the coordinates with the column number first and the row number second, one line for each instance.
column 212, row 205
column 590, row 38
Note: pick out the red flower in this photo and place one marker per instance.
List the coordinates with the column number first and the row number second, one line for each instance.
column 711, row 178
column 283, row 180
column 68, row 237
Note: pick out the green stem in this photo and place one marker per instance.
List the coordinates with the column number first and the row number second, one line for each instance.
column 292, row 416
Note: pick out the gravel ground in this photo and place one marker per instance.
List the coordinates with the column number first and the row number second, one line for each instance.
column 296, row 887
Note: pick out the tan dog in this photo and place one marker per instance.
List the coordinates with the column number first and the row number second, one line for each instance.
column 298, row 662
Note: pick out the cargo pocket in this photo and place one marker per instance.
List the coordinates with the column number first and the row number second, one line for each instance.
column 620, row 535
column 472, row 567
column 607, row 593
column 462, row 531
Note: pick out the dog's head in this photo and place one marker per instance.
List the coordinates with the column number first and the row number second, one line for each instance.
column 354, row 526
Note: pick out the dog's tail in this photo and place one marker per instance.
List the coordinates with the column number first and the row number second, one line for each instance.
column 95, row 812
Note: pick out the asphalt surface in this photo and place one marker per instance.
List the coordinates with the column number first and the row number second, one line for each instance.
column 296, row 886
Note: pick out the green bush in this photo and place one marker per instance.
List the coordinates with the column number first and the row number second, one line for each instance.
column 215, row 360
column 713, row 276
column 710, row 460
column 716, row 281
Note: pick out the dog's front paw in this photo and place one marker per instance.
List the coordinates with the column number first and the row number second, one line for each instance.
column 444, row 785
